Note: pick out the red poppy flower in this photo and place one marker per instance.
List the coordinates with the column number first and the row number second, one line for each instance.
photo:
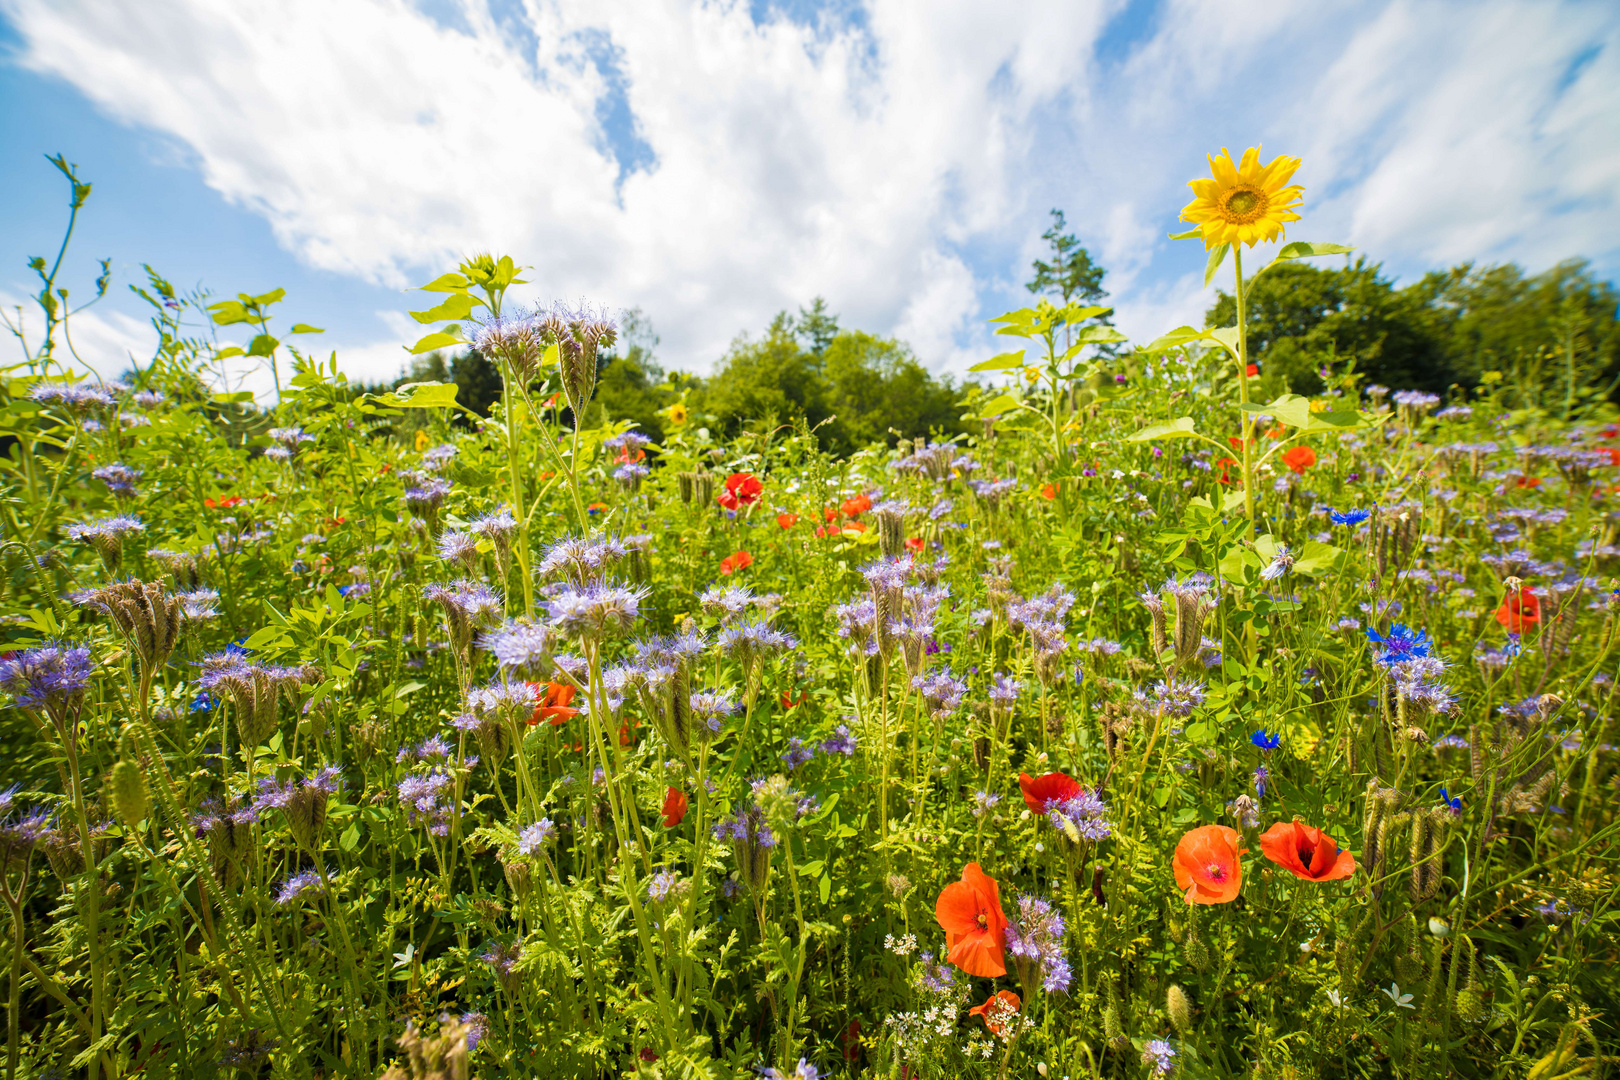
column 627, row 455
column 1235, row 442
column 1611, row 432
column 551, row 402
column 997, row 1009
column 1614, row 454
column 787, row 521
column 742, row 489
column 332, row 523
column 1528, row 482
column 1207, row 865
column 675, row 803
column 969, row 911
column 385, row 469
column 1254, row 369
column 1041, row 790
column 789, row 702
column 915, row 543
column 854, row 527
column 734, row 562
column 1309, row 854
column 626, row 735
column 1299, row 458
column 856, row 506
column 225, row 503
column 1223, row 464
column 830, row 513
column 1049, row 491
column 551, row 703
column 1519, row 609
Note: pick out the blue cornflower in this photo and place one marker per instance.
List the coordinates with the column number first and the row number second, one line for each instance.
column 1451, row 801
column 1399, row 644
column 1351, row 518
column 1265, row 740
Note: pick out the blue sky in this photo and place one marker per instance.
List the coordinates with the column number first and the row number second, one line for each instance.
column 714, row 162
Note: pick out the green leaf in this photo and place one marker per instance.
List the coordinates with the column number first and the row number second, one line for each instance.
column 1226, row 336
column 1002, row 403
column 437, row 341
column 305, row 328
column 458, row 306
column 1302, row 249
column 424, row 395
column 1099, row 335
column 1175, row 429
column 351, row 837
column 447, row 283
column 237, row 398
column 271, row 297
column 262, row 345
column 227, row 312
column 1181, row 335
column 264, row 636
column 1295, row 411
column 1188, row 235
column 1216, row 257
column 1004, row 362
column 825, row 888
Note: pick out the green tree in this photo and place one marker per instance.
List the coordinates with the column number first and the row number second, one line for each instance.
column 1302, row 319
column 817, row 326
column 1071, row 272
column 1552, row 335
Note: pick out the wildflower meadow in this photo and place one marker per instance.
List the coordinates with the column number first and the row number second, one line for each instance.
column 1139, row 728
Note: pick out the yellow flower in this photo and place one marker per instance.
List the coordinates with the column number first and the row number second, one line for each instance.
column 677, row 413
column 1243, row 204
column 422, row 440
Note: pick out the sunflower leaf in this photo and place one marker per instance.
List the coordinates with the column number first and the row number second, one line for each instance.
column 1216, row 257
column 1301, row 249
column 1004, row 362
column 1183, row 428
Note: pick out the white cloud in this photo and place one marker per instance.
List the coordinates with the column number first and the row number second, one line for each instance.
column 898, row 165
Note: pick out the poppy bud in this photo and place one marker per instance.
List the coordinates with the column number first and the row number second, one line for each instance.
column 1111, row 1026
column 1179, row 1008
column 127, row 791
column 1469, row 1008
column 1194, row 947
column 1408, row 967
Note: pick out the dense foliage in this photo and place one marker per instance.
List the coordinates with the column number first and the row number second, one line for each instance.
column 368, row 733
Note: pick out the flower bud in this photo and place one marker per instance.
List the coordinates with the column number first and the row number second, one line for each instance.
column 127, row 791
column 1179, row 1008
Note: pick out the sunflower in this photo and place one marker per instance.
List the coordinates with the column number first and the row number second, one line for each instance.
column 677, row 413
column 1243, row 204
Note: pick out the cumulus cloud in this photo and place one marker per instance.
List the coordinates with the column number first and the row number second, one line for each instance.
column 712, row 167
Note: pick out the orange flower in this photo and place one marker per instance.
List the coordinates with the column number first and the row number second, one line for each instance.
column 787, row 521
column 788, row 701
column 1614, row 454
column 1236, row 442
column 1207, row 867
column 551, row 703
column 1049, row 491
column 1254, row 369
column 1040, row 791
column 997, row 1009
column 969, row 911
column 595, row 508
column 1519, row 609
column 1299, row 458
column 1223, row 464
column 1309, row 854
column 675, row 803
column 830, row 513
column 742, row 489
column 1528, row 482
column 856, row 506
column 732, row 563
column 225, row 503
column 915, row 543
